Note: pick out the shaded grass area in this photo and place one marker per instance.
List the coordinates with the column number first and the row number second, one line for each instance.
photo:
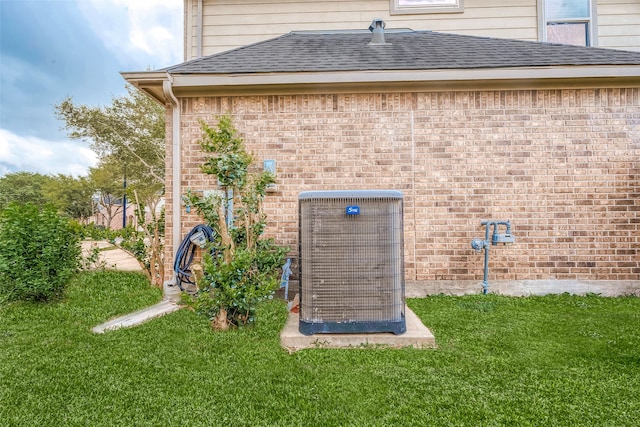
column 555, row 360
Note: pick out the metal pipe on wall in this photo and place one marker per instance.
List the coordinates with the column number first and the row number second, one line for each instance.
column 496, row 238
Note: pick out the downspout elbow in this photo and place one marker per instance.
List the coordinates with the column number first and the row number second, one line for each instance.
column 167, row 88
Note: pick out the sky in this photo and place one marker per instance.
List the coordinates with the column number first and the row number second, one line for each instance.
column 53, row 49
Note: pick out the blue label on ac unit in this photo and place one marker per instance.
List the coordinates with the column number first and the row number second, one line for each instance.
column 353, row 210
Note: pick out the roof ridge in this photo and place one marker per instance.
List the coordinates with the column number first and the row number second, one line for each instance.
column 355, row 31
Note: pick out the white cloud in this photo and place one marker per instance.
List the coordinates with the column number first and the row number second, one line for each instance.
column 30, row 154
column 138, row 31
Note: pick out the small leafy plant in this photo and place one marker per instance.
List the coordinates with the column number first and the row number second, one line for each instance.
column 91, row 260
column 240, row 269
column 39, row 252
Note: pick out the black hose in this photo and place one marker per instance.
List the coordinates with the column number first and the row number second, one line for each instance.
column 184, row 257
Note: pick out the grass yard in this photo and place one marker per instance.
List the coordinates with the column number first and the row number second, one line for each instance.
column 555, row 360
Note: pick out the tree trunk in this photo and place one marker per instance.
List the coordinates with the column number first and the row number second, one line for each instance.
column 227, row 241
column 220, row 322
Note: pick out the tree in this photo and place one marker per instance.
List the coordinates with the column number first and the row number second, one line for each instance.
column 242, row 269
column 129, row 138
column 130, row 131
column 152, row 231
column 22, row 188
column 72, row 196
column 107, row 181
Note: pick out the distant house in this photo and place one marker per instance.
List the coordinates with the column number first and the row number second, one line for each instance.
column 469, row 128
column 108, row 212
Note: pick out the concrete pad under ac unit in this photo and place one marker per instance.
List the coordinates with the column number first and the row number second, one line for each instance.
column 417, row 336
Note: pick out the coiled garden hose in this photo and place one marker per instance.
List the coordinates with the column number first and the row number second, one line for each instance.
column 186, row 251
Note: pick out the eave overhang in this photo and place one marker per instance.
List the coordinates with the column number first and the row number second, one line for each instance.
column 150, row 82
column 246, row 84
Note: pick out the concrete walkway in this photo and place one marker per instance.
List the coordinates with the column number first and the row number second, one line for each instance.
column 112, row 257
column 138, row 317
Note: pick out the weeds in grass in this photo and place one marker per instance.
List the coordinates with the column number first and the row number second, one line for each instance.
column 92, row 261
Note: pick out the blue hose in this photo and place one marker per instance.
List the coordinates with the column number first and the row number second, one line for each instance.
column 184, row 256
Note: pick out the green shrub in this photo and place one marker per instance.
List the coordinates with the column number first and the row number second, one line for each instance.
column 98, row 232
column 235, row 288
column 39, row 252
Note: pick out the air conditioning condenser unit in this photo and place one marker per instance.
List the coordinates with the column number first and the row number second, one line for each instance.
column 351, row 262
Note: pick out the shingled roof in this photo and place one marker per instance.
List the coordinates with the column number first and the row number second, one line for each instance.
column 404, row 50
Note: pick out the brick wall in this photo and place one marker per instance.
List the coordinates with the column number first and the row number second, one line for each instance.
column 562, row 165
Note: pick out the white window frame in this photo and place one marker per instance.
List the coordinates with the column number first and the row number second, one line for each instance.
column 592, row 25
column 429, row 6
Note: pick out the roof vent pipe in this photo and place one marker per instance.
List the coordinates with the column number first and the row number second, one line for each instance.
column 377, row 30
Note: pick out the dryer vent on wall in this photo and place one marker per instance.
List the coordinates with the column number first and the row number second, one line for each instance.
column 351, row 262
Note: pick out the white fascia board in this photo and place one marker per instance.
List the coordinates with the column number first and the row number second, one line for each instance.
column 481, row 74
column 143, row 75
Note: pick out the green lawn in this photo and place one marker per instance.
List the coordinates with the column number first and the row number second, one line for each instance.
column 555, row 360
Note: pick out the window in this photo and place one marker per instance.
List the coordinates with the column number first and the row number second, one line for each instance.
column 399, row 7
column 568, row 22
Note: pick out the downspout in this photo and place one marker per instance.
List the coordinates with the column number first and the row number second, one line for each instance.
column 167, row 87
column 413, row 194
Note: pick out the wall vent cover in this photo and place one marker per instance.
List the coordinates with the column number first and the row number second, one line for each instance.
column 351, row 262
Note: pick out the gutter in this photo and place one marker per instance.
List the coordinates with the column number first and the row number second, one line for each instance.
column 167, row 87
